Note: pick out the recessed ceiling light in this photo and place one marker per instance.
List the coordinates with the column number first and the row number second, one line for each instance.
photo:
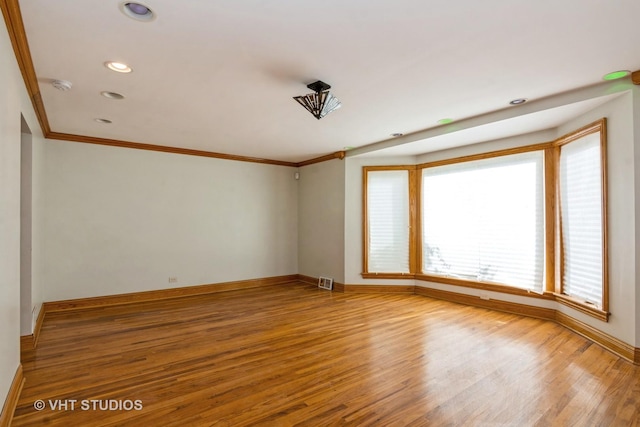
column 347, row 148
column 112, row 95
column 397, row 134
column 99, row 120
column 518, row 101
column 616, row 75
column 444, row 121
column 118, row 67
column 137, row 11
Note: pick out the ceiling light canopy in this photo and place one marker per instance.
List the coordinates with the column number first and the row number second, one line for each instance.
column 137, row 11
column 101, row 120
column 118, row 67
column 319, row 103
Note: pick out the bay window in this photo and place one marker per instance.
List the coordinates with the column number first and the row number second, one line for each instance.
column 528, row 221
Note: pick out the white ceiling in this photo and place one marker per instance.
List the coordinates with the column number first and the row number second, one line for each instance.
column 220, row 75
column 455, row 135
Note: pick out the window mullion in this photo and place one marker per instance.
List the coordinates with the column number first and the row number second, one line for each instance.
column 413, row 220
column 553, row 235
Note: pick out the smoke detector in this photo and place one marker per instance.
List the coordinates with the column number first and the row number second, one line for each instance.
column 62, row 85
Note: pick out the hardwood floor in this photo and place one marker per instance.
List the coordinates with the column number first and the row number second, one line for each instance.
column 291, row 355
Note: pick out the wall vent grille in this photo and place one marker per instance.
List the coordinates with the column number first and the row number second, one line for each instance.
column 325, row 283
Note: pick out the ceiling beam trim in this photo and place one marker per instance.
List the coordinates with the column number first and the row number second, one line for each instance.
column 552, row 101
column 337, row 155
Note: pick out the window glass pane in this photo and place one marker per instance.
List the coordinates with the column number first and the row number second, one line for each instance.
column 483, row 220
column 581, row 218
column 388, row 221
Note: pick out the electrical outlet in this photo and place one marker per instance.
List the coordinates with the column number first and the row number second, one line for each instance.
column 485, row 297
column 173, row 279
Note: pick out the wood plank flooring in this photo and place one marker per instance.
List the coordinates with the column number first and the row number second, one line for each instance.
column 293, row 355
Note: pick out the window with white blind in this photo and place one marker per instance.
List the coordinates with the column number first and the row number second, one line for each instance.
column 483, row 220
column 581, row 219
column 387, row 221
column 529, row 221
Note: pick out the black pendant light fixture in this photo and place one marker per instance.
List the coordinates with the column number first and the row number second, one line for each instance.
column 319, row 103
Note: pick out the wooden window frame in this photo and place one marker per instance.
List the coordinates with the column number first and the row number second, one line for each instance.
column 553, row 242
column 411, row 170
column 486, row 286
column 599, row 126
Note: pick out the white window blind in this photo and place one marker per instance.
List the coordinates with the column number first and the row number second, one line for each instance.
column 483, row 220
column 581, row 218
column 388, row 221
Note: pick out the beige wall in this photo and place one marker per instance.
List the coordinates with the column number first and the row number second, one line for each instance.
column 121, row 220
column 14, row 101
column 9, row 218
column 321, row 220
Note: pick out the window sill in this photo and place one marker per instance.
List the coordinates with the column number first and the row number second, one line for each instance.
column 583, row 307
column 402, row 276
column 504, row 289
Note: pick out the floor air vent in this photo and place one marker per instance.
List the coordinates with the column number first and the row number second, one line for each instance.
column 325, row 283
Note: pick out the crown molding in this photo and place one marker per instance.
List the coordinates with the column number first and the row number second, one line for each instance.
column 15, row 29
column 162, row 148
